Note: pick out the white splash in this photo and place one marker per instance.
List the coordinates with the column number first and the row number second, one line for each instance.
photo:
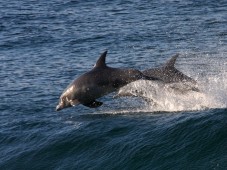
column 181, row 97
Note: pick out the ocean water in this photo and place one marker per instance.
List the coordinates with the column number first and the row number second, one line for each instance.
column 46, row 44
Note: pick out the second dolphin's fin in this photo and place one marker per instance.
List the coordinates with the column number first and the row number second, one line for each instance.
column 170, row 63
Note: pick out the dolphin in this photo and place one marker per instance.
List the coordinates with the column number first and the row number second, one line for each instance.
column 170, row 77
column 168, row 73
column 99, row 81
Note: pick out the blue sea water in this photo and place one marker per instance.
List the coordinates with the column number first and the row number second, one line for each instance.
column 46, row 44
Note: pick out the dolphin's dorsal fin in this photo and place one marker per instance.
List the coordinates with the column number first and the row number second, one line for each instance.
column 101, row 62
column 172, row 61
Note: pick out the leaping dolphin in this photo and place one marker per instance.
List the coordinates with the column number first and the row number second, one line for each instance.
column 169, row 76
column 168, row 73
column 99, row 81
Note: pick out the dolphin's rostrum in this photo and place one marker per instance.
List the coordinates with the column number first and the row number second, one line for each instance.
column 96, row 83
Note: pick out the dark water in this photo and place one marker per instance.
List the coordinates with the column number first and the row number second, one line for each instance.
column 46, row 44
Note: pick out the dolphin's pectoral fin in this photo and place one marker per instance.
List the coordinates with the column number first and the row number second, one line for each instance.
column 93, row 104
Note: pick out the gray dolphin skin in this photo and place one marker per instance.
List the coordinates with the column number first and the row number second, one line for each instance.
column 99, row 81
column 168, row 73
column 169, row 76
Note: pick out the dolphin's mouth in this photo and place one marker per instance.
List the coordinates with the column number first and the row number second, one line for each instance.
column 58, row 108
column 66, row 104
